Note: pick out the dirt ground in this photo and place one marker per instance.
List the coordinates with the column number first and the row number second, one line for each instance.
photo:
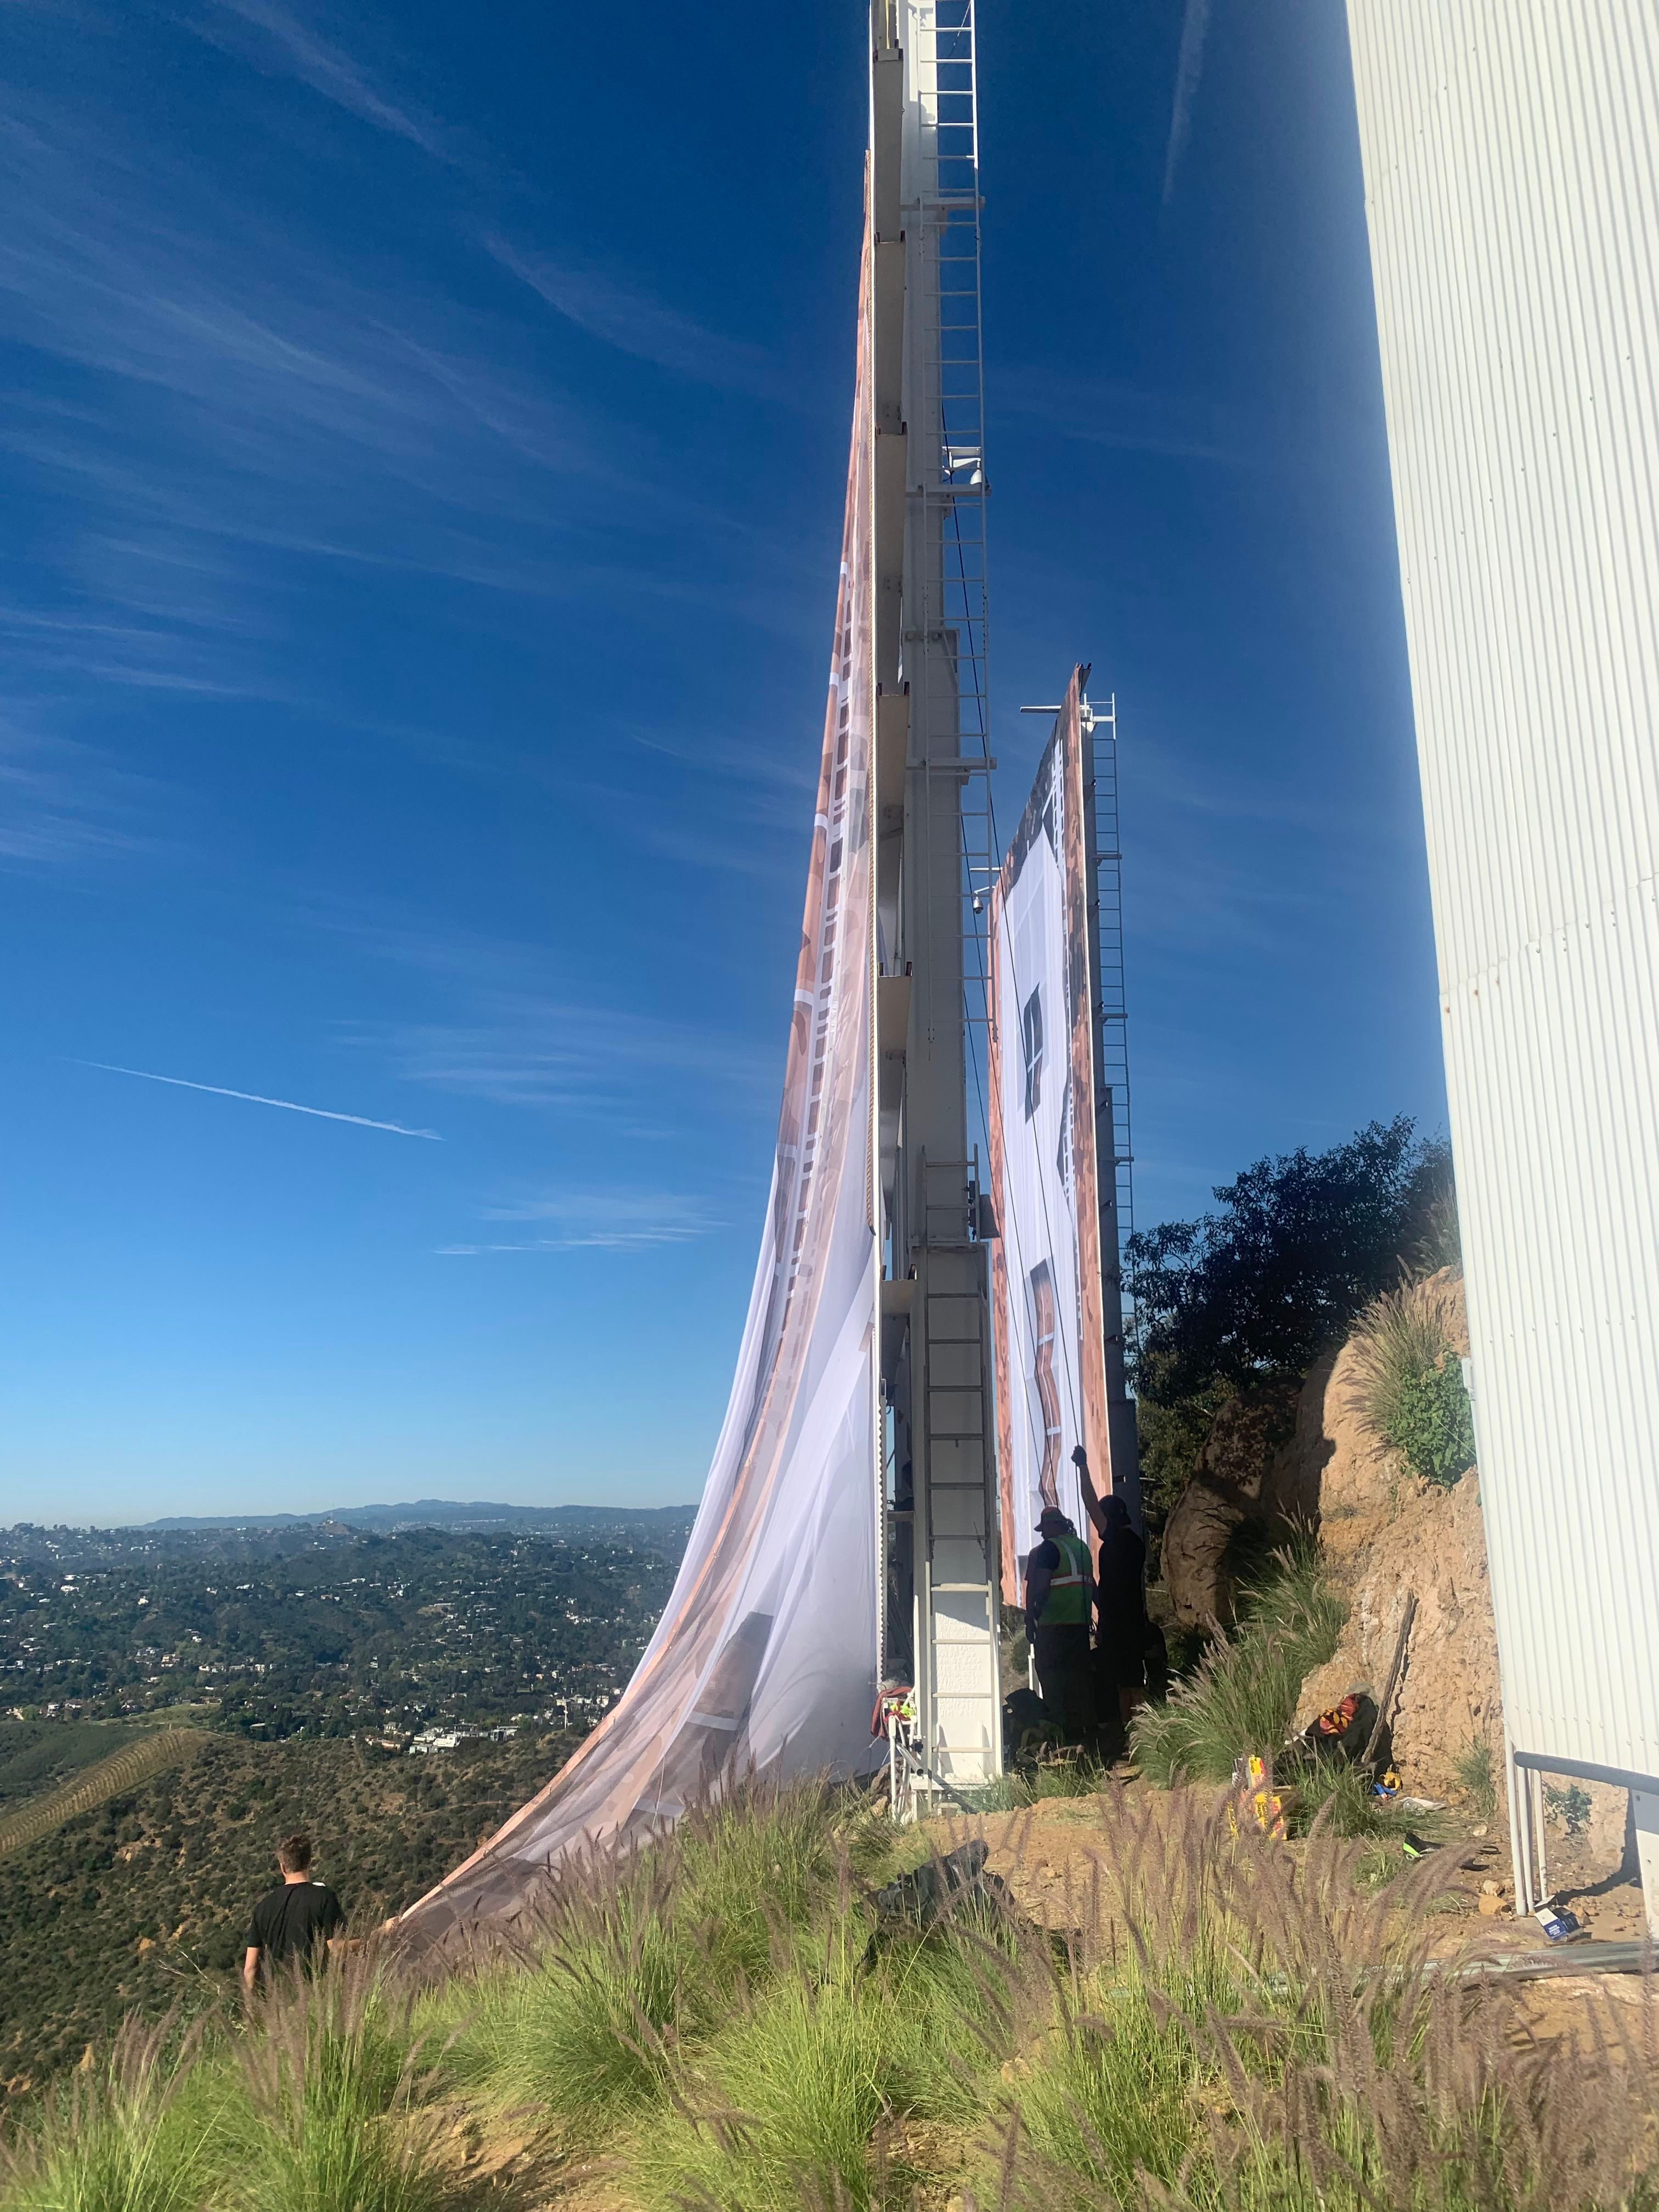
column 1046, row 1856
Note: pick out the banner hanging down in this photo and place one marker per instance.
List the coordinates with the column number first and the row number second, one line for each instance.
column 1048, row 1308
column 766, row 1656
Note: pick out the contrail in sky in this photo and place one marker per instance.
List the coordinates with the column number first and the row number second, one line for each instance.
column 1195, row 25
column 254, row 1098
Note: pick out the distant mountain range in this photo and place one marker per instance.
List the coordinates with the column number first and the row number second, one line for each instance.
column 446, row 1513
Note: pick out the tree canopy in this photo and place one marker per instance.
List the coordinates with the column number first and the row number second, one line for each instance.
column 1299, row 1244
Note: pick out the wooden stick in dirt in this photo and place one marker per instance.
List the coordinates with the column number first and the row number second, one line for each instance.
column 1387, row 1698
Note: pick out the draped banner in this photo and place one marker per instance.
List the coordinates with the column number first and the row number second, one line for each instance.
column 766, row 1657
column 1046, row 1298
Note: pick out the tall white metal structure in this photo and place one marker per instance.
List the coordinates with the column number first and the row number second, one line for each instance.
column 1511, row 164
column 932, row 760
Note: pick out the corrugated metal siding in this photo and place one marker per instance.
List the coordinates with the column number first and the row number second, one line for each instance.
column 1511, row 163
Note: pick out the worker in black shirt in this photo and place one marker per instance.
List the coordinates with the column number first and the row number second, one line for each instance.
column 1122, row 1630
column 294, row 1920
column 1057, row 1624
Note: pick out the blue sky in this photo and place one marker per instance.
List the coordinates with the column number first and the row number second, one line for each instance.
column 422, row 457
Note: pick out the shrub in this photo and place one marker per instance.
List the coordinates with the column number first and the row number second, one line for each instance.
column 1571, row 1807
column 1433, row 1426
column 1297, row 1246
column 1407, row 1377
column 1243, row 1697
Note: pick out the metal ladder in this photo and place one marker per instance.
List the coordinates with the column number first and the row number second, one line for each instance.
column 959, row 1701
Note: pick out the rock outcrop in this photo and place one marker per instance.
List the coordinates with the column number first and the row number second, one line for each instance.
column 1385, row 1533
column 1231, row 1489
column 1257, row 1474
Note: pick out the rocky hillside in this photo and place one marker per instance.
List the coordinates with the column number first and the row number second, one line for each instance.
column 1308, row 1455
column 1386, row 1535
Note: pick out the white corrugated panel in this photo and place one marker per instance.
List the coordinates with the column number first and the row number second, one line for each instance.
column 1511, row 164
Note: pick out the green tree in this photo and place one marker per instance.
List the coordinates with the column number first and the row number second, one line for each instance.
column 1299, row 1246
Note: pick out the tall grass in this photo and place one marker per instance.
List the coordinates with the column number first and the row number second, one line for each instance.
column 1243, row 1696
column 337, row 2115
column 1214, row 2021
column 1406, row 1378
column 136, row 2133
column 1247, row 2030
column 1476, row 1779
column 577, row 2025
column 831, row 2089
column 633, row 1960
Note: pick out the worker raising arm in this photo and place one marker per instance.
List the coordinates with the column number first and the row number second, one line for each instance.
column 1057, row 1581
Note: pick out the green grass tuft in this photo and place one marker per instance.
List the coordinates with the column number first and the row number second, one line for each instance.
column 137, row 2133
column 1476, row 1778
column 1064, row 1776
column 1220, row 2022
column 809, row 2098
column 1243, row 1697
column 1408, row 1379
column 636, row 1963
column 335, row 2115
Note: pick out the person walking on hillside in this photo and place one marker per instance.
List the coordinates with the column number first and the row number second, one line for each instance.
column 1122, row 1630
column 300, row 1918
column 1057, row 1623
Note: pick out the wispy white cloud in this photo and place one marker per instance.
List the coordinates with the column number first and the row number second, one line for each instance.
column 257, row 396
column 522, row 1036
column 621, row 316
column 256, row 1098
column 542, row 1052
column 788, row 759
column 596, row 1220
column 1189, row 67
column 62, row 802
column 282, row 38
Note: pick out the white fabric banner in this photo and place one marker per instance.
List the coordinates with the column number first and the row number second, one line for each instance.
column 1045, row 1272
column 766, row 1657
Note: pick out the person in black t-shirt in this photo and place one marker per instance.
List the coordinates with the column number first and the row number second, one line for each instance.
column 296, row 1919
column 1123, row 1633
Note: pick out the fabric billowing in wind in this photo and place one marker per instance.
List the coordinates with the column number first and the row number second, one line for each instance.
column 766, row 1657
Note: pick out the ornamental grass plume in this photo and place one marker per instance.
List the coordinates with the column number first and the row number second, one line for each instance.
column 1244, row 2028
column 1208, row 2020
column 339, row 2112
column 134, row 2131
column 1243, row 1696
column 584, row 2013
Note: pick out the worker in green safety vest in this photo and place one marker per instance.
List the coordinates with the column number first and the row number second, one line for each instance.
column 1057, row 1608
